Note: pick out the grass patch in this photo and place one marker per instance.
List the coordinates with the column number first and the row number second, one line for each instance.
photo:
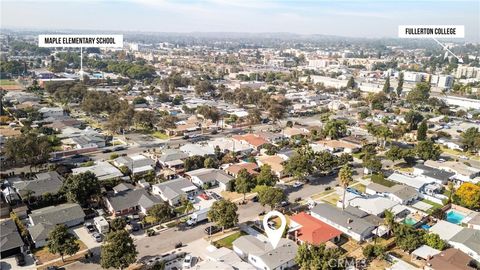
column 433, row 204
column 43, row 254
column 149, row 219
column 360, row 187
column 160, row 135
column 227, row 241
column 380, row 179
column 332, row 199
column 171, row 224
column 7, row 82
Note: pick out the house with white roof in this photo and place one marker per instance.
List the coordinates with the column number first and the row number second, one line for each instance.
column 102, row 170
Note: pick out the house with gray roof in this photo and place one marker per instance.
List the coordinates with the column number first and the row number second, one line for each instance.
column 210, row 177
column 468, row 241
column 433, row 174
column 44, row 220
column 262, row 255
column 129, row 201
column 354, row 223
column 11, row 242
column 174, row 190
column 403, row 194
column 172, row 158
column 47, row 182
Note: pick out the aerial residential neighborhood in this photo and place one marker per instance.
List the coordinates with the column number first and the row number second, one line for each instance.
column 170, row 148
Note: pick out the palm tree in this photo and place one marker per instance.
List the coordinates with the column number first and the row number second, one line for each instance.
column 389, row 220
column 345, row 177
column 188, row 205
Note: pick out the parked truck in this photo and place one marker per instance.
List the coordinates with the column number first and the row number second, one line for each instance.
column 197, row 217
column 101, row 224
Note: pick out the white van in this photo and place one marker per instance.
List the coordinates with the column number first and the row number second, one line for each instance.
column 101, row 224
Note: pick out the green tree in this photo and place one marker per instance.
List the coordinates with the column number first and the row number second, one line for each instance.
column 81, row 188
column 29, row 149
column 428, row 150
column 351, row 83
column 394, row 153
column 433, row 240
column 244, row 182
column 413, row 118
column 266, row 176
column 118, row 224
column 386, row 86
column 62, row 242
column 223, row 213
column 311, row 257
column 271, row 196
column 408, row 238
column 471, row 140
column 400, row 84
column 210, row 162
column 345, row 178
column 422, row 131
column 420, row 94
column 161, row 212
column 389, row 220
column 335, row 129
column 118, row 251
column 325, row 162
column 372, row 163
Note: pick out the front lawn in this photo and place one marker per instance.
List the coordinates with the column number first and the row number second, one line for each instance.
column 227, row 241
column 160, row 135
column 43, row 255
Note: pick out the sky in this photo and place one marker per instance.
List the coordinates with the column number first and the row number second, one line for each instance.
column 351, row 18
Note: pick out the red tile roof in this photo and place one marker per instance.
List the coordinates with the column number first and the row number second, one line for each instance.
column 314, row 231
column 235, row 168
column 251, row 139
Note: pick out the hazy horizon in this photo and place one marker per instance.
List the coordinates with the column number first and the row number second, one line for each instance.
column 354, row 19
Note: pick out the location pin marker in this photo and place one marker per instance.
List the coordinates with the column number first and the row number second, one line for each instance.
column 274, row 235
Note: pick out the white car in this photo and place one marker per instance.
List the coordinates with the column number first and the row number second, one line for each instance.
column 187, row 262
column 297, row 184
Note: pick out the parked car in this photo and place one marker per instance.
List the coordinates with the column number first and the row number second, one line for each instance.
column 20, row 259
column 354, row 191
column 212, row 230
column 98, row 237
column 187, row 262
column 90, row 227
column 178, row 245
column 284, row 203
column 297, row 184
column 204, row 196
column 106, row 150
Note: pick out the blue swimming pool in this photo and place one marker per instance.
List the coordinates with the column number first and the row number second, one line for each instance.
column 455, row 217
column 425, row 227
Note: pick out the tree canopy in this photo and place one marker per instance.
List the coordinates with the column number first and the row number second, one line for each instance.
column 62, row 242
column 118, row 251
column 81, row 188
column 223, row 213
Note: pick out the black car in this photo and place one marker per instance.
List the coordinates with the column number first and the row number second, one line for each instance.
column 106, row 150
column 119, row 148
column 212, row 230
column 20, row 259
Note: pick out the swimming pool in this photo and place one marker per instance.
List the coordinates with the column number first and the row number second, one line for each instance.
column 455, row 217
column 410, row 221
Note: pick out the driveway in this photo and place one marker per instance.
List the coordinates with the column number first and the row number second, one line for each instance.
column 82, row 234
